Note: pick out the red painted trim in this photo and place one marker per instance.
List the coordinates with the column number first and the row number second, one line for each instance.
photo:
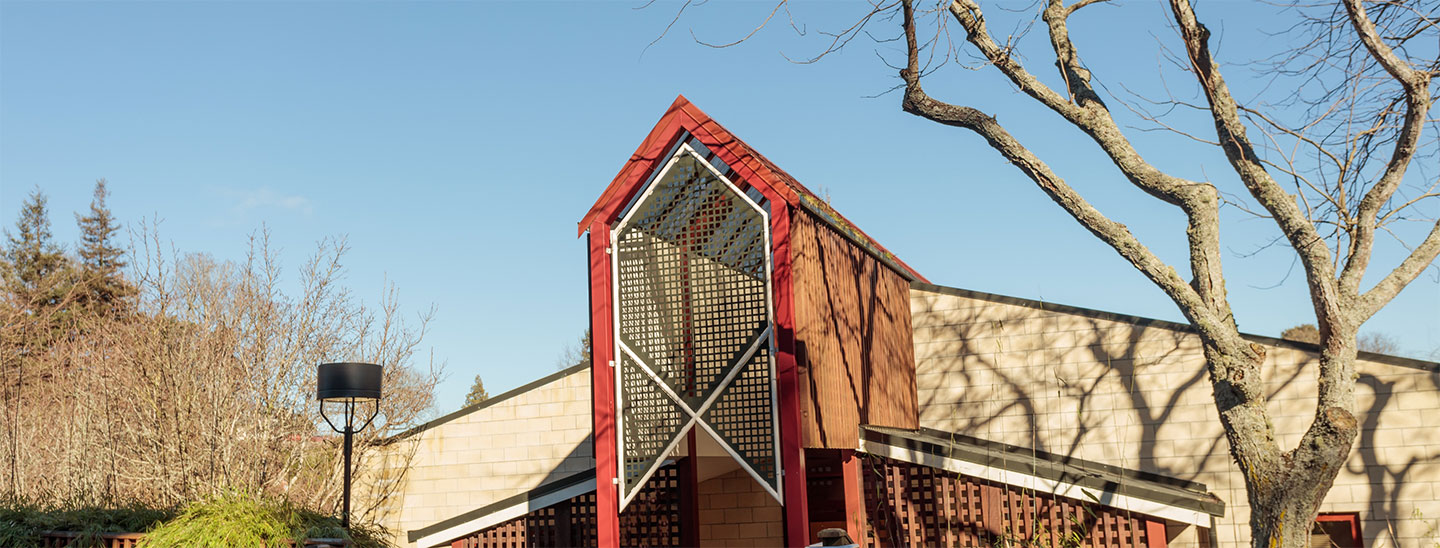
column 1155, row 534
column 625, row 183
column 602, row 385
column 792, row 452
column 1349, row 517
column 750, row 165
column 682, row 116
column 690, row 494
column 854, row 496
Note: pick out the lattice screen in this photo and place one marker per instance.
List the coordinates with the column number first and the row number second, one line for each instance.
column 913, row 505
column 652, row 521
column 694, row 323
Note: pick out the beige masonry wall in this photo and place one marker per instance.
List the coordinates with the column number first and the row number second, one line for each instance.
column 736, row 512
column 1133, row 393
column 505, row 446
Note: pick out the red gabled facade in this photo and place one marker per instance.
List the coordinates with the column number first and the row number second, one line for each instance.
column 789, row 202
column 840, row 388
column 683, row 120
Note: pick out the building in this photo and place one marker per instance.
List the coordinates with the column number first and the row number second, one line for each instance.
column 764, row 370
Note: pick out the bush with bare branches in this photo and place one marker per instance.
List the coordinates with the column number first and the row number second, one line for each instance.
column 204, row 383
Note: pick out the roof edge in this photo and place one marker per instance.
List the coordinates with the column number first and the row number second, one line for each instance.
column 529, row 495
column 1050, row 467
column 838, row 224
column 499, row 398
column 1399, row 361
column 683, row 117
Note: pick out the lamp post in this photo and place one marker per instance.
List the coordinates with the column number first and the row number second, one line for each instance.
column 348, row 384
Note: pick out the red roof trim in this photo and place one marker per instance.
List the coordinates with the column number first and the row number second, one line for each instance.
column 753, row 167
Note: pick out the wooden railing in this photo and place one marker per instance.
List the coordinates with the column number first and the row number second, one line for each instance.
column 70, row 539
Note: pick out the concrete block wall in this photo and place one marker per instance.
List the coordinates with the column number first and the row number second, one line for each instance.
column 510, row 444
column 1134, row 393
column 736, row 511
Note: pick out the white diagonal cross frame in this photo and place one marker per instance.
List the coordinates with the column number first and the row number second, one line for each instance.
column 693, row 415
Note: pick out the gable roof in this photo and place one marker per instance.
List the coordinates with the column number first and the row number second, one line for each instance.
column 684, row 120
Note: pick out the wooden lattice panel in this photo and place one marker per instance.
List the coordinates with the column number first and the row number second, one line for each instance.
column 691, row 263
column 913, row 505
column 743, row 417
column 693, row 325
column 651, row 421
column 652, row 520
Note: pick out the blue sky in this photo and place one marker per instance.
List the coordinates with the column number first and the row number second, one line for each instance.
column 456, row 145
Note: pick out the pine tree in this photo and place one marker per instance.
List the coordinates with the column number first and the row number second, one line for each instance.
column 576, row 354
column 477, row 393
column 104, row 288
column 37, row 272
column 37, row 285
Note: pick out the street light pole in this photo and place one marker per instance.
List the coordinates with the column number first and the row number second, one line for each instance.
column 348, row 384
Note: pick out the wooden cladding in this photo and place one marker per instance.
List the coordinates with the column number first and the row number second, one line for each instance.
column 853, row 338
column 913, row 505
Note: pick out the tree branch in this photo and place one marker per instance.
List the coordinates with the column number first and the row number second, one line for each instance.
column 1422, row 257
column 1417, row 105
column 1314, row 254
column 1085, row 109
column 917, row 102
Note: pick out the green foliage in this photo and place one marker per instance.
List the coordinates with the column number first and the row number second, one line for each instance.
column 477, row 393
column 22, row 519
column 32, row 257
column 228, row 519
column 1305, row 332
column 102, row 286
column 239, row 519
column 37, row 275
column 576, row 354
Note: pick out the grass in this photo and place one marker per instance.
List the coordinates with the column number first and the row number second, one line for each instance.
column 226, row 519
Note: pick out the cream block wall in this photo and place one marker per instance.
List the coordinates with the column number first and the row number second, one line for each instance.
column 508, row 445
column 1134, row 393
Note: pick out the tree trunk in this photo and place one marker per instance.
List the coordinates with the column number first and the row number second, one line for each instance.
column 1284, row 488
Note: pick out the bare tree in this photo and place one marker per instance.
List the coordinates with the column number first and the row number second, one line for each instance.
column 1284, row 485
column 206, row 383
column 1330, row 167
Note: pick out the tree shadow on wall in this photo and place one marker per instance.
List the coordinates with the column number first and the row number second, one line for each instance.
column 1072, row 379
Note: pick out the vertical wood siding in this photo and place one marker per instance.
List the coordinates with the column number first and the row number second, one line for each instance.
column 853, row 338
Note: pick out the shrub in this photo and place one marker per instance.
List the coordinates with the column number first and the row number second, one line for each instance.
column 22, row 519
column 227, row 519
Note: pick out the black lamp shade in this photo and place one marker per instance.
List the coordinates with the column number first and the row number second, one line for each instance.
column 345, row 380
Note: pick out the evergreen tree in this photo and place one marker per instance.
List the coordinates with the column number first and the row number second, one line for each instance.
column 37, row 272
column 1305, row 332
column 576, row 354
column 103, row 287
column 37, row 288
column 477, row 393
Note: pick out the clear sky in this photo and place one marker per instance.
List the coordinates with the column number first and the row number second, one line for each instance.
column 456, row 145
